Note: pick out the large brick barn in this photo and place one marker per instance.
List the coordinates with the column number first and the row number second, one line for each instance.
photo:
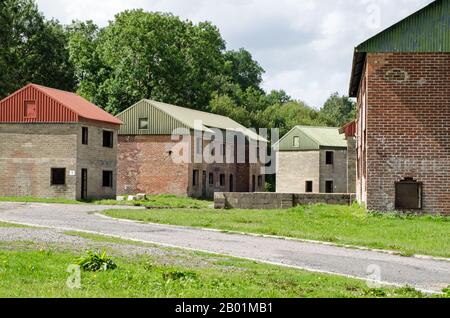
column 55, row 144
column 168, row 149
column 401, row 78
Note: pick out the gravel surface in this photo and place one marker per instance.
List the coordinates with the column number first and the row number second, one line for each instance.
column 425, row 274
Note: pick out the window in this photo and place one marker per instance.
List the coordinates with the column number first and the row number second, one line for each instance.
column 195, row 176
column 143, row 123
column 329, row 157
column 408, row 195
column 309, row 187
column 108, row 139
column 85, row 136
column 296, row 142
column 30, row 109
column 223, row 149
column 211, row 178
column 58, row 176
column 329, row 187
column 222, row 180
column 199, row 145
column 260, row 181
column 107, row 179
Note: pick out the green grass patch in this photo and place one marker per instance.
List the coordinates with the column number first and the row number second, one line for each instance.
column 38, row 200
column 346, row 225
column 162, row 201
column 151, row 201
column 44, row 274
column 5, row 224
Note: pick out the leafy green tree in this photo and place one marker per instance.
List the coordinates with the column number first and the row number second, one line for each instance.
column 148, row 55
column 226, row 106
column 286, row 116
column 338, row 110
column 32, row 49
column 278, row 97
column 243, row 69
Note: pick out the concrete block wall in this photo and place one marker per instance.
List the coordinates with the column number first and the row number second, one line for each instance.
column 294, row 168
column 270, row 201
column 27, row 154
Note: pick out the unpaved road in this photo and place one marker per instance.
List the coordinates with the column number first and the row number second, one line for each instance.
column 424, row 274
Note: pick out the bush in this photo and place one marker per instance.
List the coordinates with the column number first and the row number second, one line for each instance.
column 179, row 275
column 94, row 262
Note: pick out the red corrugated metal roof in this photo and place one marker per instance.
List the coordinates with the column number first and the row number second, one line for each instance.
column 52, row 105
column 349, row 129
column 79, row 105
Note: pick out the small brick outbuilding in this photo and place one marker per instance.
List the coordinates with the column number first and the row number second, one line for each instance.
column 55, row 144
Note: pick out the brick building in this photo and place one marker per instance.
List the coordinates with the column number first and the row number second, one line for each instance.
column 312, row 160
column 401, row 78
column 167, row 149
column 55, row 144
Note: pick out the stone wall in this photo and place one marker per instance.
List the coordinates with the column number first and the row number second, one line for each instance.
column 268, row 201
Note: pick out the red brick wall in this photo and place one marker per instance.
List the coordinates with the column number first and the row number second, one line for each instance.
column 145, row 166
column 408, row 127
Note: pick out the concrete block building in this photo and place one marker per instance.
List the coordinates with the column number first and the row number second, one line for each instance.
column 168, row 149
column 401, row 79
column 311, row 160
column 55, row 144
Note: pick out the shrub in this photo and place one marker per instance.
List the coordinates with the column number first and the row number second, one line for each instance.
column 178, row 275
column 94, row 262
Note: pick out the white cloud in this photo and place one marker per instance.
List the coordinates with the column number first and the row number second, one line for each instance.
column 306, row 46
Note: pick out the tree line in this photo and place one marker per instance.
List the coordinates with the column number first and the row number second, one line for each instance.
column 149, row 55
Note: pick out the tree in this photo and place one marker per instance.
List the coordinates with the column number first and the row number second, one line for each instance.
column 338, row 110
column 243, row 69
column 32, row 49
column 148, row 55
column 286, row 116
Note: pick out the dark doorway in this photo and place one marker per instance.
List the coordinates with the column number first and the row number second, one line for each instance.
column 309, row 187
column 204, row 184
column 231, row 183
column 329, row 186
column 253, row 183
column 84, row 178
column 408, row 195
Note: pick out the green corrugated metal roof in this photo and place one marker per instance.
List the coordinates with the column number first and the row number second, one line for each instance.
column 164, row 118
column 311, row 138
column 425, row 31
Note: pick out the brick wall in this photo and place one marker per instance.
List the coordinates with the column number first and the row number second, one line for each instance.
column 408, row 127
column 27, row 154
column 96, row 159
column 29, row 151
column 146, row 166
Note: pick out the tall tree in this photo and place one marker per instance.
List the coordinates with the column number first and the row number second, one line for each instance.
column 32, row 49
column 338, row 110
column 148, row 55
column 243, row 69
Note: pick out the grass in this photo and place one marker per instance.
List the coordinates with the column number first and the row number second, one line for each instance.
column 162, row 201
column 152, row 201
column 4, row 224
column 38, row 200
column 43, row 273
column 346, row 225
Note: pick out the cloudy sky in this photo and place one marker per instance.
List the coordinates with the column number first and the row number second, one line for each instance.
column 305, row 46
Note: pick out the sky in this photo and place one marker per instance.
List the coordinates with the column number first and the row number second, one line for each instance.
column 305, row 46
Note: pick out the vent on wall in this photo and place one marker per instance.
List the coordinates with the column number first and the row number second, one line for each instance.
column 30, row 109
column 408, row 195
